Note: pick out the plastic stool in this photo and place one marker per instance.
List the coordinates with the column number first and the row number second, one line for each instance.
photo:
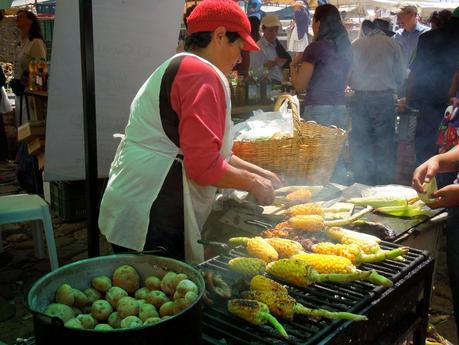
column 30, row 207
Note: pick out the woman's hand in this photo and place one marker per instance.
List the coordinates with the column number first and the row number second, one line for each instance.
column 446, row 197
column 262, row 189
column 424, row 173
column 274, row 178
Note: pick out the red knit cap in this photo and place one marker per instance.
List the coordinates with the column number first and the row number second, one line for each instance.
column 210, row 14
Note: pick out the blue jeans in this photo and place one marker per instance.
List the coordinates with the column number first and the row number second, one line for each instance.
column 331, row 115
column 372, row 138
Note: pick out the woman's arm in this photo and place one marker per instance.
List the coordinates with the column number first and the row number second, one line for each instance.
column 301, row 75
column 237, row 162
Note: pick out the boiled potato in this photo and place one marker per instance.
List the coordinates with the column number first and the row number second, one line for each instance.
column 153, row 283
column 92, row 294
column 127, row 306
column 114, row 320
column 101, row 283
column 64, row 295
column 141, row 302
column 126, row 277
column 178, row 278
column 151, row 321
column 87, row 321
column 131, row 322
column 167, row 309
column 141, row 293
column 101, row 309
column 73, row 323
column 147, row 311
column 157, row 298
column 80, row 298
column 114, row 295
column 186, row 285
column 168, row 283
column 179, row 305
column 190, row 297
column 103, row 327
column 62, row 311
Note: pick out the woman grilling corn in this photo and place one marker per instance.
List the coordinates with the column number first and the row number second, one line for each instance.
column 177, row 145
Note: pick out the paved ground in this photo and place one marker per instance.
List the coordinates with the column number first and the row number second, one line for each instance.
column 19, row 269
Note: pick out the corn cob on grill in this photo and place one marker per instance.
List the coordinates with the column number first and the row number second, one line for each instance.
column 247, row 266
column 285, row 306
column 257, row 247
column 368, row 244
column 324, row 263
column 262, row 283
column 254, row 312
column 304, row 209
column 301, row 195
column 285, row 247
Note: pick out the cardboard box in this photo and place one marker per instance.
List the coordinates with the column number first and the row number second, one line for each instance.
column 36, row 146
column 31, row 130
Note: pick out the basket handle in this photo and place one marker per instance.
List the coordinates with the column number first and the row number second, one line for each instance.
column 285, row 97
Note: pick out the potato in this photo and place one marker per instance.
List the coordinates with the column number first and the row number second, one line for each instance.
column 114, row 295
column 77, row 311
column 103, row 327
column 151, row 321
column 64, row 295
column 126, row 277
column 87, row 321
column 101, row 309
column 80, row 298
column 186, row 285
column 101, row 283
column 92, row 294
column 141, row 302
column 73, row 323
column 141, row 293
column 168, row 283
column 179, row 277
column 190, row 297
column 167, row 309
column 127, row 306
column 131, row 322
column 147, row 311
column 114, row 320
column 157, row 298
column 153, row 283
column 62, row 311
column 179, row 305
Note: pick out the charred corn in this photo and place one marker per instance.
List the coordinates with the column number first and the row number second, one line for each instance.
column 254, row 312
column 301, row 195
column 368, row 244
column 324, row 263
column 249, row 267
column 285, row 247
column 307, row 222
column 284, row 306
column 262, row 283
column 257, row 247
column 304, row 209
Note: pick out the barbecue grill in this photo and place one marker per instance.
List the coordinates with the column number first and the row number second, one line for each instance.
column 394, row 315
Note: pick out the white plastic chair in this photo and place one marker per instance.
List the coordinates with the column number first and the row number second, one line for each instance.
column 30, row 207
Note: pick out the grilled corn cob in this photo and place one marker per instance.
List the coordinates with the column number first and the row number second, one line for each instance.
column 262, row 283
column 316, row 223
column 309, row 208
column 255, row 312
column 285, row 306
column 249, row 267
column 301, row 195
column 368, row 244
column 324, row 263
column 256, row 247
column 285, row 247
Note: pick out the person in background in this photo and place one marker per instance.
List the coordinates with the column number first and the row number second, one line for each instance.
column 254, row 9
column 410, row 30
column 322, row 71
column 377, row 74
column 177, row 146
column 429, row 82
column 438, row 19
column 30, row 46
column 446, row 197
column 298, row 38
column 272, row 55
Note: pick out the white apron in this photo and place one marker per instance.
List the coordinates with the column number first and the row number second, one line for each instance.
column 141, row 164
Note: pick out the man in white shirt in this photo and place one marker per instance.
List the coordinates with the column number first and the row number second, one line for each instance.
column 271, row 55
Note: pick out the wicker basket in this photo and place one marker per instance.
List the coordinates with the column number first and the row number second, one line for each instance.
column 309, row 157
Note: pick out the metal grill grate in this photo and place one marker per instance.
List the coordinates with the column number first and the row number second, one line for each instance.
column 220, row 327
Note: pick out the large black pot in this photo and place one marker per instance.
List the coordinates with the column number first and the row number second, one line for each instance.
column 182, row 328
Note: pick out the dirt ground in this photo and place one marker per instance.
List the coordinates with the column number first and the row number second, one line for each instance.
column 19, row 269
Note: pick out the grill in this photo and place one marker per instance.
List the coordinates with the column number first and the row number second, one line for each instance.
column 394, row 314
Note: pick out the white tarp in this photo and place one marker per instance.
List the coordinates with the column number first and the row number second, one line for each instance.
column 131, row 39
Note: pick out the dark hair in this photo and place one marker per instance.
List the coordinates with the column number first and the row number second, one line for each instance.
column 35, row 29
column 199, row 40
column 367, row 27
column 187, row 14
column 332, row 29
column 255, row 28
column 440, row 18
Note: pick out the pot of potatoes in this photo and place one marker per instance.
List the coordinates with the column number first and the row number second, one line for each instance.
column 118, row 299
